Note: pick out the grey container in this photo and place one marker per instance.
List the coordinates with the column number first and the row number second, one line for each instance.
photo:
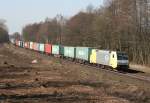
column 69, row 51
column 83, row 53
column 102, row 57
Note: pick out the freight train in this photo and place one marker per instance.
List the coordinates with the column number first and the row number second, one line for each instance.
column 106, row 58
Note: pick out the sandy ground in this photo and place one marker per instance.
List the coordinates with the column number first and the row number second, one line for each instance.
column 53, row 80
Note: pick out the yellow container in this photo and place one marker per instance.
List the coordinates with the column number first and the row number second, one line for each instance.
column 93, row 56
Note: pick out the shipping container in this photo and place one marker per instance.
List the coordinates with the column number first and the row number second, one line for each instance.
column 83, row 53
column 34, row 45
column 19, row 43
column 31, row 45
column 26, row 45
column 48, row 48
column 37, row 47
column 41, row 47
column 12, row 41
column 23, row 44
column 69, row 52
column 57, row 50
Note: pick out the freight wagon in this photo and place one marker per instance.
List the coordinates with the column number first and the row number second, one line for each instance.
column 41, row 47
column 28, row 45
column 57, row 50
column 83, row 53
column 17, row 43
column 69, row 52
column 31, row 45
column 25, row 45
column 48, row 48
column 36, row 46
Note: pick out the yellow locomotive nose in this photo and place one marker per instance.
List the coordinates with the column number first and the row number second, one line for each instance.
column 113, row 59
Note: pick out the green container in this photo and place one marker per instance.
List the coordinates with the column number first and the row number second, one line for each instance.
column 69, row 52
column 83, row 53
column 57, row 50
column 23, row 43
column 41, row 47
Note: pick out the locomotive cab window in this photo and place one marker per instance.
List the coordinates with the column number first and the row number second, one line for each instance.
column 122, row 56
column 113, row 56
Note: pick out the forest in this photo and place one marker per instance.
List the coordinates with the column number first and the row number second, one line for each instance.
column 117, row 25
column 4, row 37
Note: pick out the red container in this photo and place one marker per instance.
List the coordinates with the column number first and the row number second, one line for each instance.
column 48, row 48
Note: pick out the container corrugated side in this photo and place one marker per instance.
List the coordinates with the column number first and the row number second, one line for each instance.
column 83, row 53
column 48, row 48
column 69, row 52
column 41, row 47
column 57, row 50
column 31, row 45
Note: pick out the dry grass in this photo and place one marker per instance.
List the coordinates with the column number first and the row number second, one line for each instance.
column 140, row 68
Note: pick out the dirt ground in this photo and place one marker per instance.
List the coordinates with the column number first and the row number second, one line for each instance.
column 142, row 68
column 53, row 80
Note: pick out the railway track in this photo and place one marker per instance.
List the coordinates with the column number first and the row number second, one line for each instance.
column 121, row 73
column 131, row 75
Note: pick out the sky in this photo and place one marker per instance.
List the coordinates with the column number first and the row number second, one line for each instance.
column 19, row 13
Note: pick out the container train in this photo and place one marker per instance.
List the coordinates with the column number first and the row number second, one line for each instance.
column 106, row 58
